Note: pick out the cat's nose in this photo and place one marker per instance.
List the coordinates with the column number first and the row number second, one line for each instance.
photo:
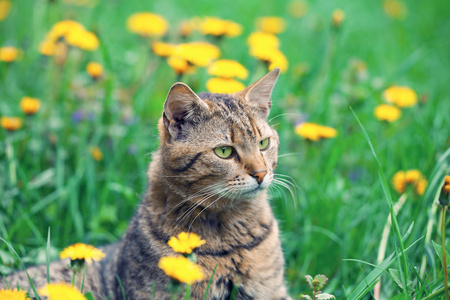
column 259, row 175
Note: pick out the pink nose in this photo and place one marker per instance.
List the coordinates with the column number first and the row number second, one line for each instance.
column 259, row 175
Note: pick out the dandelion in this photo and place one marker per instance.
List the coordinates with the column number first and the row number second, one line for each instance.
column 271, row 25
column 181, row 269
column 197, row 53
column 97, row 153
column 83, row 39
column 13, row 295
column 9, row 54
column 94, row 69
column 163, row 49
column 224, row 85
column 29, row 105
column 384, row 112
column 298, row 8
column 337, row 17
column 47, row 48
column 82, row 252
column 395, row 9
column 185, row 242
column 5, row 6
column 277, row 59
column 11, row 123
column 73, row 33
column 262, row 39
column 444, row 197
column 401, row 96
column 179, row 65
column 219, row 27
column 58, row 291
column 315, row 132
column 227, row 68
column 147, row 24
column 410, row 177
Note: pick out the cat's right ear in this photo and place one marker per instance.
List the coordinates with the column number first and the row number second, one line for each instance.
column 181, row 105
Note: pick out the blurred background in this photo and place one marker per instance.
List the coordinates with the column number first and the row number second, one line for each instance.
column 82, row 85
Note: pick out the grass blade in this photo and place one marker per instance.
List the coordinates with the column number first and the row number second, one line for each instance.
column 209, row 283
column 48, row 256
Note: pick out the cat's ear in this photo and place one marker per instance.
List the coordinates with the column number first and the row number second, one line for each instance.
column 259, row 93
column 181, row 105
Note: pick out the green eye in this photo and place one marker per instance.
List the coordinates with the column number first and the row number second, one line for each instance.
column 224, row 151
column 264, row 144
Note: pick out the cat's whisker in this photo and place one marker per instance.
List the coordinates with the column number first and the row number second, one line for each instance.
column 289, row 186
column 285, row 114
column 287, row 154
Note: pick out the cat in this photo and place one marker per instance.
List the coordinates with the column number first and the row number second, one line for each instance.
column 209, row 176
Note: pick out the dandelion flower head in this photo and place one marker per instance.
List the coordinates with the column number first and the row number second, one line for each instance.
column 185, row 242
column 224, row 85
column 181, row 269
column 179, row 65
column 337, row 17
column 446, row 186
column 5, row 6
column 411, row 177
column 94, row 69
column 58, row 291
column 385, row 112
column 395, row 9
column 262, row 39
column 315, row 132
column 9, row 54
column 11, row 123
column 83, row 39
column 400, row 96
column 81, row 251
column 96, row 153
column 219, row 27
column 197, row 53
column 30, row 105
column 227, row 68
column 147, row 24
column 271, row 25
column 163, row 49
column 277, row 59
column 13, row 295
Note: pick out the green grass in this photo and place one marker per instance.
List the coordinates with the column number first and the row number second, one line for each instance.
column 333, row 224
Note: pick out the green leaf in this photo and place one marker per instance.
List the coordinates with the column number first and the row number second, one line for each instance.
column 309, row 279
column 397, row 275
column 399, row 297
column 438, row 250
column 89, row 296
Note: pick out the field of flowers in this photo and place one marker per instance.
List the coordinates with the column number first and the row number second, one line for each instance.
column 362, row 107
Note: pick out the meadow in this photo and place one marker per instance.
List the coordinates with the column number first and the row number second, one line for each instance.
column 76, row 168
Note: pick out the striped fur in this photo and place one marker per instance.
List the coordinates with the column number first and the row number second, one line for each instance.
column 194, row 190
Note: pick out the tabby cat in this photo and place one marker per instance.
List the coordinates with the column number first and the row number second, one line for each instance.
column 210, row 176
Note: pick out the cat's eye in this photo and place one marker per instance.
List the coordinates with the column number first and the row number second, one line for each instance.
column 264, row 144
column 224, row 151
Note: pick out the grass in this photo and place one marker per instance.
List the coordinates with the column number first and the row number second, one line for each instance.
column 332, row 226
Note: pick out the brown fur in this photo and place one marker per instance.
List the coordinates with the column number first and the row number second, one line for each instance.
column 192, row 189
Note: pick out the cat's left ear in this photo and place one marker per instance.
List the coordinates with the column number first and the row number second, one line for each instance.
column 259, row 93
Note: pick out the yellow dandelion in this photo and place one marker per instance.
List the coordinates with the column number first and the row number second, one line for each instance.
column 219, row 27
column 83, row 39
column 384, row 112
column 337, row 17
column 271, row 25
column 9, row 54
column 446, row 185
column 47, row 48
column 197, row 53
column 81, row 251
column 262, row 39
column 411, row 177
column 96, row 153
column 94, row 69
column 5, row 6
column 29, row 105
column 401, row 96
column 224, row 85
column 13, row 295
column 315, row 132
column 62, row 29
column 11, row 123
column 227, row 68
column 179, row 65
column 298, row 8
column 277, row 59
column 58, row 291
column 181, row 269
column 185, row 242
column 395, row 9
column 163, row 49
column 147, row 24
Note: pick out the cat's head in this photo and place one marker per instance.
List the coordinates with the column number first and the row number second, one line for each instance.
column 218, row 149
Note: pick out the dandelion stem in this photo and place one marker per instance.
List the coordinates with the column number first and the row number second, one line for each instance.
column 73, row 278
column 444, row 259
column 11, row 161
